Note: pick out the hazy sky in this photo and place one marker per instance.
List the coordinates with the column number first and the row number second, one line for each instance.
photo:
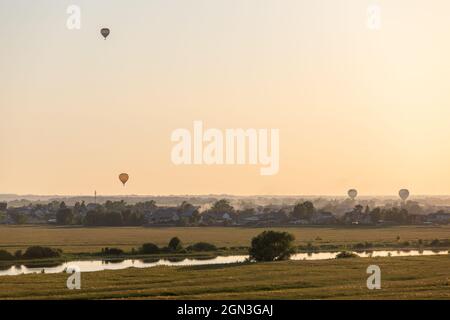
column 355, row 107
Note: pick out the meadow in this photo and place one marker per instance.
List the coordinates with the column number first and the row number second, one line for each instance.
column 425, row 277
column 88, row 240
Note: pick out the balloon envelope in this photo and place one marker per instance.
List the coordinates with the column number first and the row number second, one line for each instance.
column 105, row 32
column 352, row 193
column 123, row 177
column 404, row 194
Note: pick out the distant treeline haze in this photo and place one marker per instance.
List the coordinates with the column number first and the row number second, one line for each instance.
column 221, row 212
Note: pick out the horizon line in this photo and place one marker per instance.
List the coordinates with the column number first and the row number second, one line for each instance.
column 219, row 195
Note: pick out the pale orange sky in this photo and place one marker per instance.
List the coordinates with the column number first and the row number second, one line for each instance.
column 355, row 107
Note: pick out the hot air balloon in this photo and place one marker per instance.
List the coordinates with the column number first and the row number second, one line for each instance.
column 123, row 177
column 404, row 194
column 352, row 193
column 104, row 32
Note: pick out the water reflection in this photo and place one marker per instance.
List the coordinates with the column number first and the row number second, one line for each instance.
column 100, row 265
column 368, row 254
column 113, row 261
column 40, row 265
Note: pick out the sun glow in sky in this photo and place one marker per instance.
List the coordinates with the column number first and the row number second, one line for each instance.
column 355, row 107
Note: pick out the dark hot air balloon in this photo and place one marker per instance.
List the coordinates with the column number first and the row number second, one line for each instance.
column 404, row 194
column 105, row 32
column 352, row 193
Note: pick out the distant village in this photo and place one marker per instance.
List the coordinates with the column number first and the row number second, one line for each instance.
column 223, row 213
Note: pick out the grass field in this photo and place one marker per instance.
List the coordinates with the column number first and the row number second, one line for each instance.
column 72, row 240
column 402, row 278
column 425, row 277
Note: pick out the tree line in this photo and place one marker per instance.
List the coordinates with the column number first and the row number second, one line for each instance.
column 118, row 213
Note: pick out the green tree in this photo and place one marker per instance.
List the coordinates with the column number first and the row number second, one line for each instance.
column 5, row 255
column 83, row 206
column 38, row 252
column 18, row 254
column 376, row 215
column 304, row 211
column 149, row 248
column 113, row 218
column 77, row 208
column 398, row 215
column 92, row 218
column 358, row 209
column 175, row 244
column 115, row 206
column 64, row 216
column 185, row 206
column 202, row 246
column 19, row 218
column 222, row 206
column 271, row 246
column 145, row 206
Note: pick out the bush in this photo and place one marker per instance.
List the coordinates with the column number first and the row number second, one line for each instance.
column 18, row 254
column 346, row 254
column 149, row 248
column 175, row 244
column 435, row 243
column 112, row 251
column 361, row 245
column 440, row 243
column 271, row 246
column 202, row 246
column 329, row 247
column 5, row 255
column 38, row 252
column 309, row 247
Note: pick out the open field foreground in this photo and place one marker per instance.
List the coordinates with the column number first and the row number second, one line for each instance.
column 401, row 278
column 93, row 239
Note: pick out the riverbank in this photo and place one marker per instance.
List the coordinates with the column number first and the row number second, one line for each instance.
column 86, row 243
column 119, row 264
column 93, row 256
column 223, row 252
column 425, row 277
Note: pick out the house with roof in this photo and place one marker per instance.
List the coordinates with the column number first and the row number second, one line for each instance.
column 188, row 213
column 167, row 215
column 440, row 217
column 215, row 218
column 323, row 217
